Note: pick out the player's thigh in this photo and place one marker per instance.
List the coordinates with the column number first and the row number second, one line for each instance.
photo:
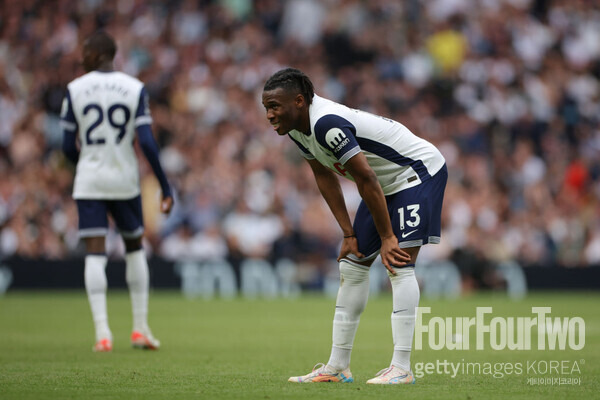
column 128, row 217
column 93, row 218
column 416, row 213
column 369, row 242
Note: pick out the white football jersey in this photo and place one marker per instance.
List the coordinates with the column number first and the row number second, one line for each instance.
column 105, row 108
column 399, row 158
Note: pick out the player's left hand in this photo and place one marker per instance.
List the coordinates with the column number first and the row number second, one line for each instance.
column 392, row 255
column 166, row 205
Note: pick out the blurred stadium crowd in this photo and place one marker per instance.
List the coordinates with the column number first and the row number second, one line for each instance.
column 507, row 89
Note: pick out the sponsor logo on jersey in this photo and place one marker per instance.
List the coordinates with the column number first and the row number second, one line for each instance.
column 336, row 139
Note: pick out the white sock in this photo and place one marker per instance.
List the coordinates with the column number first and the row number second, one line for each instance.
column 95, row 286
column 351, row 301
column 138, row 281
column 405, row 292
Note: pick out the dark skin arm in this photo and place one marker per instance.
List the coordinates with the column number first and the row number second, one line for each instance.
column 372, row 194
column 329, row 186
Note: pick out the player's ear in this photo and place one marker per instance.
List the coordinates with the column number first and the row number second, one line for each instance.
column 299, row 100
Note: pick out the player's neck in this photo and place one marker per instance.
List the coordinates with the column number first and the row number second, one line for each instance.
column 105, row 67
column 305, row 124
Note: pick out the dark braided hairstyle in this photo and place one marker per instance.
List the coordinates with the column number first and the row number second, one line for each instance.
column 291, row 79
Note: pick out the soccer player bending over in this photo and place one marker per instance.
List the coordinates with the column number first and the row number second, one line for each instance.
column 401, row 179
column 102, row 111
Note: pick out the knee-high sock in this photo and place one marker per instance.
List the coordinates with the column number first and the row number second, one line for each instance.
column 138, row 281
column 405, row 292
column 351, row 301
column 95, row 286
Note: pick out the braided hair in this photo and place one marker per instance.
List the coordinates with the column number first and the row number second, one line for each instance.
column 291, row 79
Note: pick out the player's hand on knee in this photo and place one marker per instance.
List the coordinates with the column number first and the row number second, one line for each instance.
column 392, row 255
column 349, row 246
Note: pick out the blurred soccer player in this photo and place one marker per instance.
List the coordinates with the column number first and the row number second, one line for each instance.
column 102, row 111
column 401, row 179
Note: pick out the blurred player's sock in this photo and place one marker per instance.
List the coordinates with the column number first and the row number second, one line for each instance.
column 351, row 301
column 405, row 293
column 95, row 285
column 138, row 280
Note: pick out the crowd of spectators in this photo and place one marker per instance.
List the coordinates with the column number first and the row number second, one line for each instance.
column 509, row 90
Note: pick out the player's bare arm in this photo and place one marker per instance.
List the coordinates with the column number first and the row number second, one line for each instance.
column 371, row 192
column 330, row 189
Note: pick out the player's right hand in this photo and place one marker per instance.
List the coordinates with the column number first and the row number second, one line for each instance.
column 166, row 205
column 349, row 245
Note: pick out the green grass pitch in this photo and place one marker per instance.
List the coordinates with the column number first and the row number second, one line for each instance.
column 246, row 349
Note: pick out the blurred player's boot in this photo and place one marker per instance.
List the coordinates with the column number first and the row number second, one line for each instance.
column 144, row 340
column 321, row 373
column 392, row 376
column 103, row 346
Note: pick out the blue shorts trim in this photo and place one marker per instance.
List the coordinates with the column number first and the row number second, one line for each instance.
column 415, row 213
column 127, row 215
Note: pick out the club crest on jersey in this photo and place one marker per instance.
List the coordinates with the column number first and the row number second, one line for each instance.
column 336, row 139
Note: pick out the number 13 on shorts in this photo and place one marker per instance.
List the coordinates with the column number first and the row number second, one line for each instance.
column 409, row 216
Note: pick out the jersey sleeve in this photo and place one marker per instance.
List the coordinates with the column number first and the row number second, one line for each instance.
column 338, row 136
column 151, row 152
column 303, row 150
column 142, row 113
column 69, row 126
column 67, row 116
